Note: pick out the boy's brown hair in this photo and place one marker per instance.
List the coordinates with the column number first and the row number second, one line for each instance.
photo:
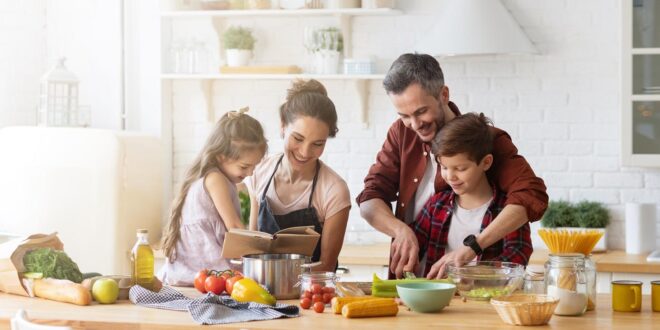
column 469, row 133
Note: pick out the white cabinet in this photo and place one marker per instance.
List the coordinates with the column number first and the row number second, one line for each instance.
column 640, row 65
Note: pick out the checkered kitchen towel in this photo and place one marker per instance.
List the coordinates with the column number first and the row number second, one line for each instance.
column 210, row 309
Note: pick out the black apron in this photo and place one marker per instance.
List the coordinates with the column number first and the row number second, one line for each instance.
column 271, row 223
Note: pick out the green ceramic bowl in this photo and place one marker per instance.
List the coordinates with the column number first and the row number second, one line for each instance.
column 426, row 297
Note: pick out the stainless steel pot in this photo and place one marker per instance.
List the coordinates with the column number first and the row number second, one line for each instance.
column 279, row 273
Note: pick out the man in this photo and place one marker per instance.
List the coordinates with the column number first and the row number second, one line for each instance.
column 406, row 172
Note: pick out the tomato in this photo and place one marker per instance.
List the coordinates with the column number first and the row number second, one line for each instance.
column 328, row 289
column 305, row 303
column 327, row 297
column 215, row 284
column 316, row 288
column 317, row 298
column 200, row 279
column 229, row 285
column 306, row 294
column 319, row 306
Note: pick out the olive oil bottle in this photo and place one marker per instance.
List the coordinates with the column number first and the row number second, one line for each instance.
column 142, row 258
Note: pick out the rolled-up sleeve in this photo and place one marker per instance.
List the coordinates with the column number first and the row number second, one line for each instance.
column 382, row 181
column 515, row 176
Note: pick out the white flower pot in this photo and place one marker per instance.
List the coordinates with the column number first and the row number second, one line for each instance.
column 326, row 62
column 238, row 57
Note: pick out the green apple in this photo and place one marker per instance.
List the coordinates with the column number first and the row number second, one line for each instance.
column 105, row 291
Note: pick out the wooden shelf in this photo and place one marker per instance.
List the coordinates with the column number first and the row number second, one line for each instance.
column 280, row 12
column 217, row 76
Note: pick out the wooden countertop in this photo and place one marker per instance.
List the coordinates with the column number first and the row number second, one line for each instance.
column 610, row 261
column 474, row 315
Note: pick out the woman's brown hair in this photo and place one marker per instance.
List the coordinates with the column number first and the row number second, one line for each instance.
column 309, row 98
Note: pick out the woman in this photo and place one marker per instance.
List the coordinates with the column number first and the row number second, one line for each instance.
column 295, row 188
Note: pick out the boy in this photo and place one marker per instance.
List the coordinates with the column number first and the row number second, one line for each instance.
column 453, row 218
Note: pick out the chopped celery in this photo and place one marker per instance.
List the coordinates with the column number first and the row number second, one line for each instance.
column 387, row 288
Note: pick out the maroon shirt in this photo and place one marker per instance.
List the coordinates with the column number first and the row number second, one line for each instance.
column 401, row 162
column 432, row 229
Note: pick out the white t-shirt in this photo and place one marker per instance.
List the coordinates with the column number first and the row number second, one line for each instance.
column 331, row 193
column 425, row 190
column 464, row 222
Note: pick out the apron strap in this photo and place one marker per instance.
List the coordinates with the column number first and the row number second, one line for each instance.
column 263, row 196
column 316, row 175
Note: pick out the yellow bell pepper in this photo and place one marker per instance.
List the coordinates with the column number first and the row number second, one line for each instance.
column 247, row 289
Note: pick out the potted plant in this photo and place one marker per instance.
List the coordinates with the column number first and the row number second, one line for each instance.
column 239, row 43
column 325, row 45
column 580, row 216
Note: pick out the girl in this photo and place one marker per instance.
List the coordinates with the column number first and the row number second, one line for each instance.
column 294, row 188
column 207, row 205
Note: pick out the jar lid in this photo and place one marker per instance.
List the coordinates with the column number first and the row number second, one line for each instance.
column 535, row 272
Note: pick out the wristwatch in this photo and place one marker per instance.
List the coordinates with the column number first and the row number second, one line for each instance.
column 471, row 241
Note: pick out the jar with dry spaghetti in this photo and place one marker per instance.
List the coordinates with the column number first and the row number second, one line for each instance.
column 566, row 279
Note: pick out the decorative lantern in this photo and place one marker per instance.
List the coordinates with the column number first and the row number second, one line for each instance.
column 58, row 101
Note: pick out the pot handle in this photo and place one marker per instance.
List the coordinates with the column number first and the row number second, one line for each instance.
column 313, row 264
column 236, row 261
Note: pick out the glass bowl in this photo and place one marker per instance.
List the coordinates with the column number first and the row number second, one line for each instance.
column 482, row 280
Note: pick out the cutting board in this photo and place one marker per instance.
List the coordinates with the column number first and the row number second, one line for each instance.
column 261, row 69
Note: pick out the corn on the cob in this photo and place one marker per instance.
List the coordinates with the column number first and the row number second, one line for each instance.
column 370, row 308
column 339, row 302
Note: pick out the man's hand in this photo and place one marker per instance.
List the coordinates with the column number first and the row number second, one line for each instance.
column 404, row 252
column 458, row 258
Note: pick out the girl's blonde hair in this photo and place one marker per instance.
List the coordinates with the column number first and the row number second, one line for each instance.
column 235, row 133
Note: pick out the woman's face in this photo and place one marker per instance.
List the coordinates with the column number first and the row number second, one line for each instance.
column 304, row 141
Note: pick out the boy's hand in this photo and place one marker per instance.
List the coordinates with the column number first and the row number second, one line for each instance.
column 459, row 257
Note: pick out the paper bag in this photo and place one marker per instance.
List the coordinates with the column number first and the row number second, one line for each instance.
column 11, row 259
column 297, row 240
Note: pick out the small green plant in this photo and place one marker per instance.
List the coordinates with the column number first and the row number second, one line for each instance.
column 245, row 207
column 591, row 215
column 559, row 214
column 327, row 38
column 238, row 37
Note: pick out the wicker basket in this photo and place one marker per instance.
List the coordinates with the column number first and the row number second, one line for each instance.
column 525, row 309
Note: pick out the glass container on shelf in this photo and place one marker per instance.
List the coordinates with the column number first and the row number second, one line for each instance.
column 566, row 279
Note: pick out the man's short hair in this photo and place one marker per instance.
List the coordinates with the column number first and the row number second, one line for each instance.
column 410, row 68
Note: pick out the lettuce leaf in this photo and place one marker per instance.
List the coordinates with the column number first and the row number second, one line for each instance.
column 52, row 263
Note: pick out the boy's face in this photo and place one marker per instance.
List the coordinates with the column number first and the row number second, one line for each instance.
column 463, row 174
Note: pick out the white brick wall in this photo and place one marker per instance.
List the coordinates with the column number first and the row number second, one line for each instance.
column 561, row 107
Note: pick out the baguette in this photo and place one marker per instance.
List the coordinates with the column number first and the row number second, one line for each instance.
column 62, row 290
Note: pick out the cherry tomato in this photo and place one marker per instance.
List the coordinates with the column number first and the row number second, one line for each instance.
column 305, row 303
column 317, row 298
column 200, row 279
column 215, row 284
column 316, row 288
column 229, row 285
column 307, row 294
column 327, row 297
column 328, row 289
column 319, row 306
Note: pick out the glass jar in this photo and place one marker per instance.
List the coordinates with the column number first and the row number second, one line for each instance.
column 534, row 280
column 590, row 270
column 566, row 280
column 318, row 286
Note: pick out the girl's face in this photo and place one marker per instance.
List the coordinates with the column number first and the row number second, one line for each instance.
column 304, row 141
column 238, row 169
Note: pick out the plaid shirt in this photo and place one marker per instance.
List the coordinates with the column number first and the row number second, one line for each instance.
column 432, row 228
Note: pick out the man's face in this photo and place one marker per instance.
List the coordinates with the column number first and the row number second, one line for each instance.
column 420, row 110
